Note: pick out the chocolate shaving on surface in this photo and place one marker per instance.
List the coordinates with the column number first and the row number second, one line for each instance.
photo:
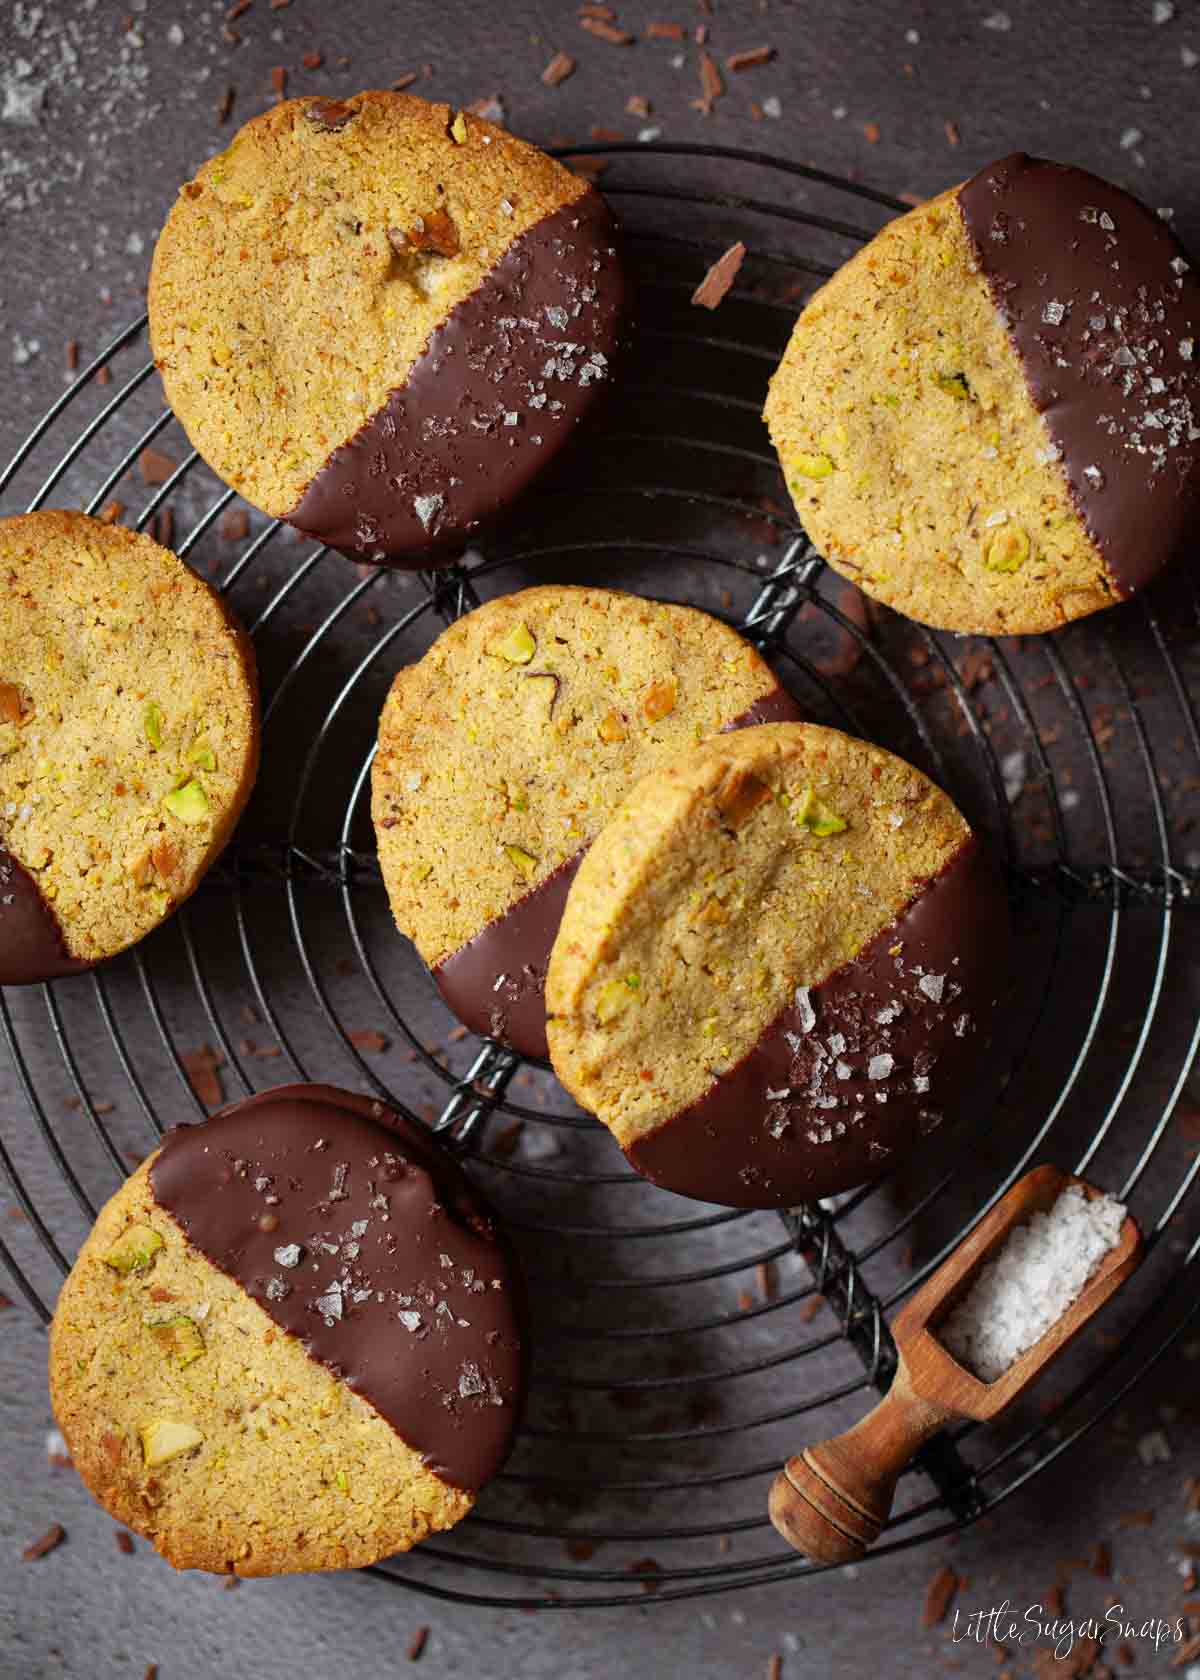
column 124, row 1541
column 750, row 58
column 711, row 85
column 72, row 354
column 416, row 1644
column 201, row 1068
column 314, row 61
column 155, row 467
column 279, row 78
column 606, row 31
column 54, row 1536
column 939, row 1595
column 665, row 31
column 720, row 277
column 637, row 105
column 559, row 68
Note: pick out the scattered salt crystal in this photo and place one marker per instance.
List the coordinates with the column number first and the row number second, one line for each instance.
column 645, row 135
column 289, row 1255
column 1012, row 773
column 471, row 1380
column 1107, row 223
column 889, row 1013
column 1154, row 1448
column 1189, row 57
column 1039, row 1271
column 1162, row 11
column 933, row 985
column 880, row 1066
column 1130, row 137
column 778, row 1096
column 999, row 21
column 56, row 1445
column 1180, row 265
column 1055, row 313
column 277, row 1290
column 410, row 1320
column 1187, row 348
column 1094, row 476
column 772, row 107
column 808, row 1015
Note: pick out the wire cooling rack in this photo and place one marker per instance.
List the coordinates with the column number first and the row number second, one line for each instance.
column 682, row 1351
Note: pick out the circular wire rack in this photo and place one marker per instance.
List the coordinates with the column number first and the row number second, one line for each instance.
column 682, row 1351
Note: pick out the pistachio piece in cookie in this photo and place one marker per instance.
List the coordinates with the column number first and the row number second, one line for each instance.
column 114, row 659
column 775, row 966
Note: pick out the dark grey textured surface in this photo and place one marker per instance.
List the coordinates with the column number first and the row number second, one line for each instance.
column 119, row 120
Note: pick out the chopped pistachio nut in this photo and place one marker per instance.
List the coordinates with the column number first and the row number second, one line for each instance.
column 518, row 647
column 1007, row 549
column 134, row 1250
column 342, row 1481
column 521, row 860
column 814, row 815
column 163, row 1439
column 152, row 722
column 421, row 871
column 811, row 466
column 954, row 385
column 179, row 1336
column 189, row 803
column 202, row 755
column 458, row 130
column 615, row 996
column 612, row 728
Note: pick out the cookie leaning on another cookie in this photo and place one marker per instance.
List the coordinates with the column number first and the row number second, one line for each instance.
column 381, row 321
column 774, row 965
column 504, row 750
column 128, row 739
column 990, row 417
column 293, row 1340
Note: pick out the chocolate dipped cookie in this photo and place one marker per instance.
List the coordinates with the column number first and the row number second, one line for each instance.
column 990, row 417
column 128, row 739
column 380, row 320
column 503, row 752
column 775, row 967
column 293, row 1340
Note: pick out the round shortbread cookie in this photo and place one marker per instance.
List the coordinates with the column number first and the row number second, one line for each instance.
column 381, row 321
column 773, row 965
column 128, row 739
column 990, row 417
column 503, row 752
column 293, row 1340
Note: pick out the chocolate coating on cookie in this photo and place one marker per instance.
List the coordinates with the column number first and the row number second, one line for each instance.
column 495, row 395
column 496, row 982
column 1103, row 309
column 32, row 947
column 856, row 1068
column 357, row 1235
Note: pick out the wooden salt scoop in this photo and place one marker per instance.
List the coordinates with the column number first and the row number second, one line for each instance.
column 833, row 1499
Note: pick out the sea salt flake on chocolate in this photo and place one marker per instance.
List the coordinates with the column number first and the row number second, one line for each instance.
column 1094, row 476
column 1107, row 223
column 427, row 508
column 843, row 1070
column 411, row 1321
column 277, row 1289
column 329, row 1305
column 889, row 1013
column 780, row 1095
column 804, row 1008
column 289, row 1255
column 1055, row 313
column 933, row 986
column 879, row 1067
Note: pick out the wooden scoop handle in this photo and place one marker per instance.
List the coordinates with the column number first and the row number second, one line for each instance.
column 832, row 1500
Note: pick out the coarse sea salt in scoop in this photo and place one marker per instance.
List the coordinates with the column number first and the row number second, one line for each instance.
column 1041, row 1269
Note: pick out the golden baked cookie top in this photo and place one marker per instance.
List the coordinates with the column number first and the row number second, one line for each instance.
column 128, row 738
